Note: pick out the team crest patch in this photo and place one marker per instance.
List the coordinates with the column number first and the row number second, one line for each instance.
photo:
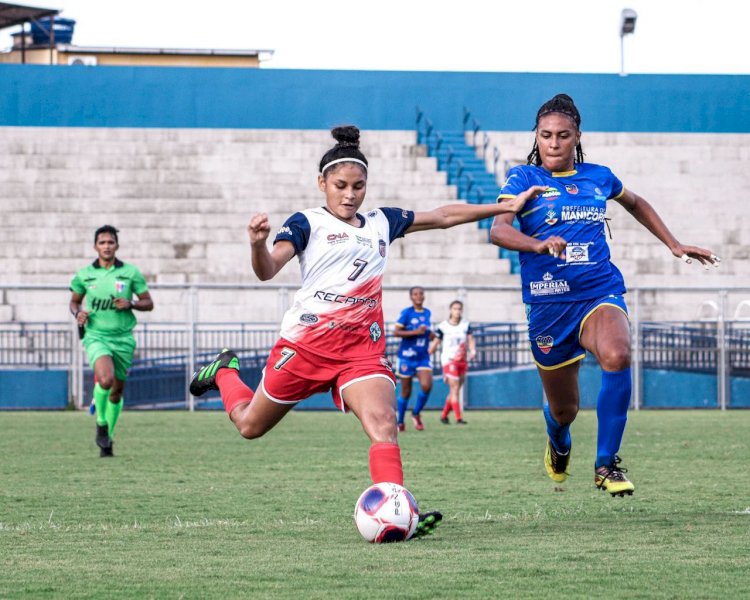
column 375, row 332
column 545, row 343
column 119, row 287
column 571, row 188
column 381, row 247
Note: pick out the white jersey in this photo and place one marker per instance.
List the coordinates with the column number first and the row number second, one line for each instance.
column 338, row 310
column 453, row 341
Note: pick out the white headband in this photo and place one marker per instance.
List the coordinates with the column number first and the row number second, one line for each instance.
column 340, row 160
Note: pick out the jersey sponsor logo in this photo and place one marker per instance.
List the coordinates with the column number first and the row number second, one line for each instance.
column 337, row 238
column 551, row 193
column 103, row 303
column 550, row 217
column 571, row 188
column 577, row 253
column 341, row 299
column 363, row 241
column 375, row 331
column 386, row 363
column 381, row 247
column 284, row 231
column 372, row 213
column 119, row 287
column 591, row 214
column 549, row 286
column 545, row 343
column 598, row 196
column 308, row 319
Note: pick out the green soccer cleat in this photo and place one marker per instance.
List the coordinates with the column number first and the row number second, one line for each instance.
column 612, row 479
column 427, row 523
column 204, row 380
column 556, row 463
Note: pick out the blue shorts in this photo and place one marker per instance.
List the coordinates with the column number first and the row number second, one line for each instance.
column 555, row 329
column 408, row 367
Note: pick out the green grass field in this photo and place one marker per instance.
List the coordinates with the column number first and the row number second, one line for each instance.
column 188, row 509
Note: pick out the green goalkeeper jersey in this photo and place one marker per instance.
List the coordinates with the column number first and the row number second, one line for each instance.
column 100, row 287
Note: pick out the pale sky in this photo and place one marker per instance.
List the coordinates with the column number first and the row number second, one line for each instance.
column 578, row 36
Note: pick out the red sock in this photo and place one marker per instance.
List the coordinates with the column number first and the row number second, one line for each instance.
column 385, row 463
column 457, row 410
column 233, row 391
column 446, row 408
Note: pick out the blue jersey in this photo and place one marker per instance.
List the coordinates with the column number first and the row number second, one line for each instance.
column 572, row 208
column 409, row 320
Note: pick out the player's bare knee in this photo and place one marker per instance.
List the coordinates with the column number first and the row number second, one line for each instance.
column 564, row 415
column 105, row 381
column 616, row 358
column 250, row 431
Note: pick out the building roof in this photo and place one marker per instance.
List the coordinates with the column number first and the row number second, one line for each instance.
column 152, row 51
column 16, row 14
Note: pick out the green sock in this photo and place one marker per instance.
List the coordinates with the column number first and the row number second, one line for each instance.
column 113, row 412
column 101, row 397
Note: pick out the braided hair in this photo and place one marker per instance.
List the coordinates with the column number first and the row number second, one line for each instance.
column 563, row 104
column 347, row 147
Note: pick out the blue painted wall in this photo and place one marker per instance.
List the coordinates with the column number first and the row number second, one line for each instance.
column 33, row 389
column 36, row 95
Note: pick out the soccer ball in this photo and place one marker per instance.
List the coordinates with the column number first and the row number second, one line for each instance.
column 386, row 512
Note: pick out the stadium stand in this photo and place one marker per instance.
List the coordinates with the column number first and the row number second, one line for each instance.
column 182, row 199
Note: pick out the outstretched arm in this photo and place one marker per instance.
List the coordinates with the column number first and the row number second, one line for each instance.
column 451, row 215
column 266, row 264
column 645, row 214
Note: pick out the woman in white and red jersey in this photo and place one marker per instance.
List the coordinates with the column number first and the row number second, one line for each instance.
column 333, row 337
column 457, row 343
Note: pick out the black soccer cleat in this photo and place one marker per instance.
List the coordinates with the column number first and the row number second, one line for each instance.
column 102, row 436
column 428, row 522
column 108, row 451
column 204, row 380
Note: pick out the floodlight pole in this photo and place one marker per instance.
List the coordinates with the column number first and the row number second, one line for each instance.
column 627, row 25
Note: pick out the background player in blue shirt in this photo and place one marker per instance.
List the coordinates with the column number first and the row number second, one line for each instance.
column 573, row 292
column 414, row 328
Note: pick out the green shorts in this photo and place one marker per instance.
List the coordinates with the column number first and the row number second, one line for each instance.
column 120, row 347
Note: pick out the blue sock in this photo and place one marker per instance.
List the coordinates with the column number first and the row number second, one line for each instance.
column 612, row 414
column 401, row 405
column 558, row 434
column 421, row 401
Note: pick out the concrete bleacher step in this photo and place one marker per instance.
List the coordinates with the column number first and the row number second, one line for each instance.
column 182, row 199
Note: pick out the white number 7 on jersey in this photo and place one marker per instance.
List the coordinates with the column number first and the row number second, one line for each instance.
column 360, row 266
column 287, row 354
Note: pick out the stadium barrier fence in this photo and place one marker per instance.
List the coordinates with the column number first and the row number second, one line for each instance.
column 714, row 348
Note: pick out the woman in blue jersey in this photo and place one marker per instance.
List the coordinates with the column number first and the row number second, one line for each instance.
column 414, row 328
column 573, row 292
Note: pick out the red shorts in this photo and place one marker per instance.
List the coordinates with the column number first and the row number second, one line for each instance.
column 293, row 373
column 455, row 369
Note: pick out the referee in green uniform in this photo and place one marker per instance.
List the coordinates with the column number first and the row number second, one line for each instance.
column 107, row 323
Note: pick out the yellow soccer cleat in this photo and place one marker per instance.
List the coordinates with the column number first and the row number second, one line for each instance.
column 612, row 479
column 556, row 463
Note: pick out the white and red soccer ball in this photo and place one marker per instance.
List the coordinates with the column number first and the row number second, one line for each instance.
column 386, row 512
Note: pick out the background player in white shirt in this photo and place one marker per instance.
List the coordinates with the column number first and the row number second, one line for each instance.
column 458, row 348
column 333, row 337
